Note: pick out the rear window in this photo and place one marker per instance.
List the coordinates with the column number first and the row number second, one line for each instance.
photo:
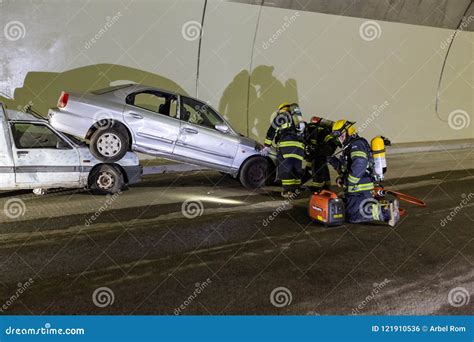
column 110, row 89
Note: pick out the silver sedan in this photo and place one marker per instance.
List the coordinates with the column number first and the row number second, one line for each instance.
column 163, row 124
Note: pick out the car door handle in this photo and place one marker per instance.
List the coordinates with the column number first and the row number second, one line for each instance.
column 21, row 153
column 136, row 116
column 190, row 131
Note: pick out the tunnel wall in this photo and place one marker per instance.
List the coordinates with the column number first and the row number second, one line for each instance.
column 250, row 58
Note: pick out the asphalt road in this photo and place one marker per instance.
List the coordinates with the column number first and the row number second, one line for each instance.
column 219, row 253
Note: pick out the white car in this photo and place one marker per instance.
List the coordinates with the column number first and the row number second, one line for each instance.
column 163, row 124
column 33, row 155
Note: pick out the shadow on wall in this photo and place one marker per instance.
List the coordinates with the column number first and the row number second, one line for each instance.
column 42, row 89
column 250, row 109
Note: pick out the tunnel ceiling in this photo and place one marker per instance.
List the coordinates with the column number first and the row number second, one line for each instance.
column 436, row 13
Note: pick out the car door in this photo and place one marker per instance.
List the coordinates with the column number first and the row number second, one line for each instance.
column 205, row 137
column 152, row 117
column 42, row 157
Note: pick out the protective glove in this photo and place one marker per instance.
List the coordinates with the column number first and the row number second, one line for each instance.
column 265, row 151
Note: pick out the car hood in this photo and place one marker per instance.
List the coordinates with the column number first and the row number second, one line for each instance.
column 130, row 159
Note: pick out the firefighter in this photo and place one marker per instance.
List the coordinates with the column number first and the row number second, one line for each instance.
column 355, row 167
column 287, row 132
column 320, row 144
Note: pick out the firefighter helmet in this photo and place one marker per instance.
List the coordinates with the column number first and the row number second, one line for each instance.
column 284, row 106
column 341, row 126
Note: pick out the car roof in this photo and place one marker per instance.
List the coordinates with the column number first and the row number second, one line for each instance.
column 22, row 116
column 121, row 91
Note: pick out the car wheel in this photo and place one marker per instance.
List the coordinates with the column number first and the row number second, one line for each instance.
column 106, row 179
column 253, row 173
column 110, row 144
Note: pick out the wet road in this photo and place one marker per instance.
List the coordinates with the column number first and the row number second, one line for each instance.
column 215, row 250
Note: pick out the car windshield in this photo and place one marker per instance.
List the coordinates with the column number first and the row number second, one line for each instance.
column 74, row 139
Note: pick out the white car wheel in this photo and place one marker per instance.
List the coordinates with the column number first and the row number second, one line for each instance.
column 106, row 179
column 109, row 145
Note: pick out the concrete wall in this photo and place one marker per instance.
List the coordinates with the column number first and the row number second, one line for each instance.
column 250, row 58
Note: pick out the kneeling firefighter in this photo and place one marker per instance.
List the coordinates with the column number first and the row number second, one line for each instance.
column 286, row 130
column 356, row 169
column 320, row 144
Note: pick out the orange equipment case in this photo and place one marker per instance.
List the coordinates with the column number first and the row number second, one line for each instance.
column 325, row 207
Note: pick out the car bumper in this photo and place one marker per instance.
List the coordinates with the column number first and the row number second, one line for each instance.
column 133, row 173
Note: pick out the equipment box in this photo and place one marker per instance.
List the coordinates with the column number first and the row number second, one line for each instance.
column 325, row 207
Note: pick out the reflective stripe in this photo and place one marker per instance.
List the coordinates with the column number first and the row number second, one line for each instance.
column 328, row 137
column 361, row 187
column 291, row 181
column 291, row 144
column 268, row 142
column 375, row 212
column 318, row 184
column 313, row 141
column 285, row 125
column 358, row 154
column 353, row 179
column 292, row 155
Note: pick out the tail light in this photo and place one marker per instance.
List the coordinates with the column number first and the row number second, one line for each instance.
column 63, row 99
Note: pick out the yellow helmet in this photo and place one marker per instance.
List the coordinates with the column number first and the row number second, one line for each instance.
column 341, row 126
column 284, row 105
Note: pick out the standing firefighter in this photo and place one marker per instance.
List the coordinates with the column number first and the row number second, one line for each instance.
column 320, row 144
column 286, row 131
column 356, row 167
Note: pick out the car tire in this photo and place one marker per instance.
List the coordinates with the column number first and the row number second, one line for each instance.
column 106, row 179
column 253, row 173
column 109, row 144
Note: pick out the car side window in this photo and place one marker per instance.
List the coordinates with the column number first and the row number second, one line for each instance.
column 29, row 135
column 164, row 104
column 199, row 113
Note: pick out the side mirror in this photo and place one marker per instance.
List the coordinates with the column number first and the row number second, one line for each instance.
column 222, row 128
